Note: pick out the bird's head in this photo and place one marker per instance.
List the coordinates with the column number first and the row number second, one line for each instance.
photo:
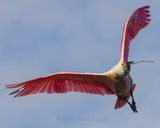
column 122, row 69
column 126, row 66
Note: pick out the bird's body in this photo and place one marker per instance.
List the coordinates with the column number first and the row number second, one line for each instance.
column 117, row 81
column 120, row 81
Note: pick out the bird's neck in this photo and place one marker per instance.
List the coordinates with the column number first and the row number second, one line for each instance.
column 120, row 70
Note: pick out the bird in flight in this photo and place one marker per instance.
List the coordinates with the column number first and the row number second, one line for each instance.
column 117, row 81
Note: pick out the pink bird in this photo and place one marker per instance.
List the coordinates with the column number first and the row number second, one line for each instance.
column 117, row 81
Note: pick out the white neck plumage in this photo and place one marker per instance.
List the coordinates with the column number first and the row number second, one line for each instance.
column 121, row 69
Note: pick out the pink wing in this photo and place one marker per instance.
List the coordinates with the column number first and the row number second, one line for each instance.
column 138, row 20
column 64, row 82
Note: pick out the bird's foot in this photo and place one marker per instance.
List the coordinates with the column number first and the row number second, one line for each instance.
column 134, row 109
column 134, row 103
column 132, row 106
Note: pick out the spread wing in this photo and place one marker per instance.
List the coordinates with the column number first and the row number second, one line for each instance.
column 64, row 82
column 138, row 20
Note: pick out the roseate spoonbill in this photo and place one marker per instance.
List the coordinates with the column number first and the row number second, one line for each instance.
column 116, row 81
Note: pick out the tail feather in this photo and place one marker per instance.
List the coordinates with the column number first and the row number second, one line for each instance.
column 120, row 103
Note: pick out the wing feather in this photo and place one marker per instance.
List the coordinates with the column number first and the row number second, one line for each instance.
column 138, row 20
column 65, row 82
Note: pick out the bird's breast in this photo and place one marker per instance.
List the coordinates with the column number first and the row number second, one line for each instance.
column 118, row 81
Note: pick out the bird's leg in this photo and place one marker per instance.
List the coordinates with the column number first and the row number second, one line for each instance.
column 132, row 106
column 133, row 101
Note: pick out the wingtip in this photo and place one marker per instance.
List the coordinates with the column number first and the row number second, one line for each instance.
column 10, row 85
column 147, row 6
column 144, row 7
column 15, row 96
column 13, row 85
column 14, row 92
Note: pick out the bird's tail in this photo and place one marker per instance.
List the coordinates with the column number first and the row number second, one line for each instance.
column 120, row 103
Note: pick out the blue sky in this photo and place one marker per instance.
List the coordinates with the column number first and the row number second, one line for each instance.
column 42, row 37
